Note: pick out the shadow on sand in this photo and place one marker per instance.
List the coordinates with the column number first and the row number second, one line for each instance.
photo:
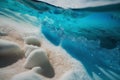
column 9, row 60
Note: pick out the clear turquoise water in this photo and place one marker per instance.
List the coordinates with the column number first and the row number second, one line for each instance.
column 90, row 35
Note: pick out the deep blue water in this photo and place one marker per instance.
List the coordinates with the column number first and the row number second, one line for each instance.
column 91, row 35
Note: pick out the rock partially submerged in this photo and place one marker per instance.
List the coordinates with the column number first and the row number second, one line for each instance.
column 28, row 75
column 38, row 58
column 8, row 48
column 32, row 41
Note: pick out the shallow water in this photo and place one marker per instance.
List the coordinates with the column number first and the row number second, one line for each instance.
column 91, row 35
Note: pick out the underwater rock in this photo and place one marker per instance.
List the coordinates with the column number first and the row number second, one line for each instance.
column 38, row 58
column 32, row 41
column 28, row 75
column 29, row 49
column 8, row 48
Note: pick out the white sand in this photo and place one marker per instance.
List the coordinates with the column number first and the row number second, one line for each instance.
column 59, row 58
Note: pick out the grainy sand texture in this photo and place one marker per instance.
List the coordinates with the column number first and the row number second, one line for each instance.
column 16, row 32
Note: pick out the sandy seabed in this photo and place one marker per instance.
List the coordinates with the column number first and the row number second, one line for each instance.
column 59, row 58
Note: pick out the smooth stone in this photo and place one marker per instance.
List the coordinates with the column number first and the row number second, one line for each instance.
column 31, row 40
column 37, row 70
column 28, row 75
column 10, row 53
column 29, row 49
column 8, row 48
column 38, row 58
